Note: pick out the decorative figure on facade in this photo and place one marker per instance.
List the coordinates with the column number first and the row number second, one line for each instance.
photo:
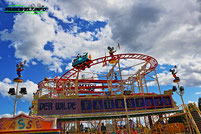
column 174, row 72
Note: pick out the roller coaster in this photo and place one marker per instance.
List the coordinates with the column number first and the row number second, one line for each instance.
column 114, row 88
column 66, row 84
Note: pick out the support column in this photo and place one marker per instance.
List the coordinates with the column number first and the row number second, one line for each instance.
column 121, row 84
column 150, row 121
column 76, row 83
column 127, row 121
column 145, row 82
column 157, row 82
column 16, row 97
column 78, row 126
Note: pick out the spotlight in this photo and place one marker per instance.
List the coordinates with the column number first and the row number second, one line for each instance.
column 23, row 91
column 11, row 91
column 174, row 88
column 181, row 89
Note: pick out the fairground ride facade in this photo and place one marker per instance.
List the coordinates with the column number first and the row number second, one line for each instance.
column 117, row 96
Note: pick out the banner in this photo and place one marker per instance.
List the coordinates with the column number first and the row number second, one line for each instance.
column 24, row 122
column 98, row 105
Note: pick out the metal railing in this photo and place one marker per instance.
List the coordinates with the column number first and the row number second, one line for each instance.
column 192, row 119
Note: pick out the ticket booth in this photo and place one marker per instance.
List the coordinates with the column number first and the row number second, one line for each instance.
column 24, row 124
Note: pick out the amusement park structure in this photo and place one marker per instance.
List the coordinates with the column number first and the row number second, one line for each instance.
column 66, row 85
column 110, row 94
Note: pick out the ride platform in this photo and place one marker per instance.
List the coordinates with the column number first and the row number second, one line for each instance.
column 18, row 80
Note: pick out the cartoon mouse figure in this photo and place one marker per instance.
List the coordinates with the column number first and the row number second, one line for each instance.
column 174, row 72
column 111, row 50
column 20, row 68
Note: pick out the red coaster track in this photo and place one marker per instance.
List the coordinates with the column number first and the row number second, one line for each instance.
column 57, row 83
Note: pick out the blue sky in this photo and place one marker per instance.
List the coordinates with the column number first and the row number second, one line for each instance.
column 168, row 31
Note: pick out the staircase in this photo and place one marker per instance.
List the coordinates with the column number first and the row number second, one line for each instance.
column 195, row 116
column 197, row 119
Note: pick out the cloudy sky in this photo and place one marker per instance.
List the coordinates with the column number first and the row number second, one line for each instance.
column 169, row 31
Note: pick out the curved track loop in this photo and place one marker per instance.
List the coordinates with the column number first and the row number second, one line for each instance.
column 66, row 77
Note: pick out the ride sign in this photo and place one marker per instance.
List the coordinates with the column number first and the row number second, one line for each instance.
column 24, row 122
column 57, row 106
column 95, row 105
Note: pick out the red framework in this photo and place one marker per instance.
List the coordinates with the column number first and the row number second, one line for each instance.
column 72, row 72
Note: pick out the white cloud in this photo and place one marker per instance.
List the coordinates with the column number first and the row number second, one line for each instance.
column 164, row 78
column 9, row 115
column 29, row 40
column 67, row 45
column 6, row 115
column 33, row 63
column 198, row 93
column 162, row 67
column 56, row 66
column 7, row 80
column 30, row 86
column 29, row 36
column 168, row 31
